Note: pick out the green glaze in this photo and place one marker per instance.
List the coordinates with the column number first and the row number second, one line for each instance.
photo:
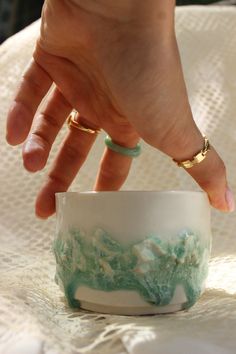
column 152, row 267
column 132, row 152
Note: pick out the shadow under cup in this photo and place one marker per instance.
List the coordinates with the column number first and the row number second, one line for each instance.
column 134, row 252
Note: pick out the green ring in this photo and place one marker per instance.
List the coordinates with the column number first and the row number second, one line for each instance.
column 131, row 152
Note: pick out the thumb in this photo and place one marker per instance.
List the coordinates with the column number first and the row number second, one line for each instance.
column 210, row 173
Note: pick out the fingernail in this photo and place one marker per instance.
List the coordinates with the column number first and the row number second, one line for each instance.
column 230, row 199
column 41, row 217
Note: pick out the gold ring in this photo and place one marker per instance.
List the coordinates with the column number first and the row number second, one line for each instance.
column 72, row 122
column 196, row 159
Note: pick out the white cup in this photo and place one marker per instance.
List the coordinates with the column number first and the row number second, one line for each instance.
column 132, row 252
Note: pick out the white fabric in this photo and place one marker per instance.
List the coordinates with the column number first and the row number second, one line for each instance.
column 33, row 314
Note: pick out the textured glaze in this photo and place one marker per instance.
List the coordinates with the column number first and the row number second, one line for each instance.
column 152, row 267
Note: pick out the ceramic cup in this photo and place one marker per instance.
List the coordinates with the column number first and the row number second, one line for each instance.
column 134, row 252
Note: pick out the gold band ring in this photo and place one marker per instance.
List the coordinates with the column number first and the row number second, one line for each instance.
column 72, row 122
column 196, row 159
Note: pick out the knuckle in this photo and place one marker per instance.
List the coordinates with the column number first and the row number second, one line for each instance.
column 33, row 85
column 41, row 138
column 51, row 121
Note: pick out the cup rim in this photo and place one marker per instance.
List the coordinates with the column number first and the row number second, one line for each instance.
column 163, row 192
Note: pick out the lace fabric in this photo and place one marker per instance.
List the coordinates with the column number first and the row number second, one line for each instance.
column 34, row 317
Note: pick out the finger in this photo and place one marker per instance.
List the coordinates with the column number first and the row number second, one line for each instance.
column 71, row 157
column 210, row 174
column 34, row 85
column 47, row 125
column 114, row 168
column 113, row 171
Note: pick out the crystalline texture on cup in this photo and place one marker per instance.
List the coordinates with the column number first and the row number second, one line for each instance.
column 132, row 252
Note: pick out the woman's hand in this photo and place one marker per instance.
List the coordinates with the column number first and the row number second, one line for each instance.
column 118, row 65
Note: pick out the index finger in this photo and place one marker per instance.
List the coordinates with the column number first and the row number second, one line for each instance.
column 34, row 85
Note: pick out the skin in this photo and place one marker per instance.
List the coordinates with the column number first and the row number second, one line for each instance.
column 117, row 63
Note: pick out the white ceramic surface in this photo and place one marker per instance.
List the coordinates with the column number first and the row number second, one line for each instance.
column 130, row 218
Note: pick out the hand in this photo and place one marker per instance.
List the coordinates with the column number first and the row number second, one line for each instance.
column 121, row 70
